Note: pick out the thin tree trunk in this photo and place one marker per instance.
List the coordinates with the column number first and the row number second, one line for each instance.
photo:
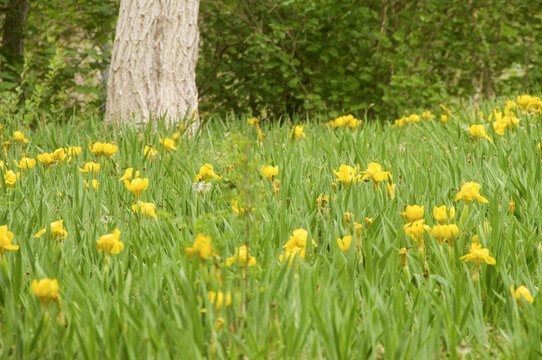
column 153, row 67
column 13, row 38
column 528, row 55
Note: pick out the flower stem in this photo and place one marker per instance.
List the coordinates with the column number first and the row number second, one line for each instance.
column 463, row 218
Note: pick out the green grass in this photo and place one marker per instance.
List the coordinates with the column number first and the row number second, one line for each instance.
column 333, row 304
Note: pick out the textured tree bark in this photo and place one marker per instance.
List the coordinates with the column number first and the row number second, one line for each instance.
column 13, row 38
column 153, row 66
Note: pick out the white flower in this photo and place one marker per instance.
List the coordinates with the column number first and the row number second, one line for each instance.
column 200, row 186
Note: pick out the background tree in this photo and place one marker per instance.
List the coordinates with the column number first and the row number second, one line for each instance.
column 152, row 71
column 12, row 50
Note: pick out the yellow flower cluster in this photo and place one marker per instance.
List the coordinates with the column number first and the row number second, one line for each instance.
column 58, row 156
column 47, row 159
column 145, row 209
column 269, row 172
column 530, row 104
column 95, row 184
column 479, row 132
column 206, row 172
column 168, row 144
column 406, row 120
column 507, row 121
column 478, row 255
column 412, row 213
column 443, row 214
column 110, row 243
column 345, row 121
column 57, row 230
column 415, row 227
column 347, row 174
column 344, row 243
column 201, row 248
column 10, row 178
column 46, row 290
column 415, row 230
column 25, row 164
column 6, row 237
column 241, row 257
column 219, row 299
column 427, row 115
column 90, row 167
column 19, row 137
column 149, row 151
column 137, row 185
column 443, row 231
column 105, row 149
column 521, row 294
column 296, row 245
column 297, row 132
column 470, row 191
column 375, row 172
column 128, row 173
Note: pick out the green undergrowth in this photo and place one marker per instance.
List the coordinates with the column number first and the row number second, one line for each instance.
column 147, row 301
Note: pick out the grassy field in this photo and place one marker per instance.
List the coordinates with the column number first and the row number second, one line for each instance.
column 295, row 298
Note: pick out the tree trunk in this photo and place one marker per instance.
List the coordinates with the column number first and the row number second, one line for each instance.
column 13, row 38
column 153, row 66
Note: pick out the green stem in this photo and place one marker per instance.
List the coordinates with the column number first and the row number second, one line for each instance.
column 204, row 272
column 406, row 272
column 106, row 271
column 4, row 265
column 463, row 218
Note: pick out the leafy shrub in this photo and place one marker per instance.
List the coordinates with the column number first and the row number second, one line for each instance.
column 67, row 50
column 341, row 56
column 271, row 57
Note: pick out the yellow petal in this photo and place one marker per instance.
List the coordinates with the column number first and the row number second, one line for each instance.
column 40, row 233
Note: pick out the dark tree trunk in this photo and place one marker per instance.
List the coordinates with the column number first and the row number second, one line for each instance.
column 13, row 39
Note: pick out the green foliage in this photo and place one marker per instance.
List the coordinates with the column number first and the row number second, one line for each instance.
column 46, row 102
column 296, row 56
column 341, row 56
column 67, row 49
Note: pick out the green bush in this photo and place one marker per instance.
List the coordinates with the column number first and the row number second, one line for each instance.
column 271, row 57
column 67, row 49
column 339, row 56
